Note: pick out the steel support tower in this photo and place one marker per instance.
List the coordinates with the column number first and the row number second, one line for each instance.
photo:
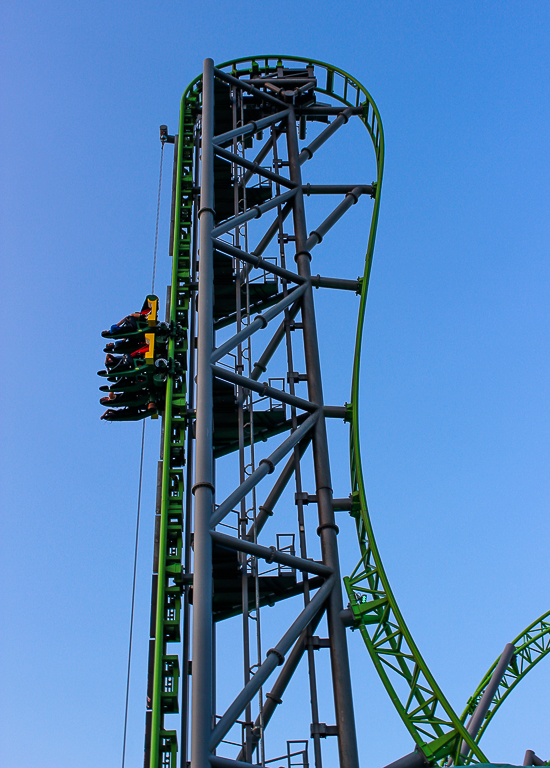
column 246, row 568
column 242, row 308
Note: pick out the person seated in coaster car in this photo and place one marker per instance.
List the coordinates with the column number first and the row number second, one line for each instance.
column 119, row 363
column 133, row 322
column 130, row 414
column 125, row 384
column 126, row 362
column 132, row 343
column 120, row 346
column 132, row 399
column 129, row 324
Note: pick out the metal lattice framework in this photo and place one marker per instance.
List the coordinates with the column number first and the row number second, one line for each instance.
column 240, row 307
column 223, row 295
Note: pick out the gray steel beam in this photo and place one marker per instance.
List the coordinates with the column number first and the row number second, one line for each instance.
column 260, row 321
column 336, row 282
column 343, row 698
column 274, row 657
column 261, row 366
column 347, row 617
column 262, row 389
column 474, row 724
column 531, row 759
column 265, row 467
column 308, row 152
column 335, row 189
column 268, row 237
column 252, row 213
column 270, row 554
column 264, row 151
column 343, row 505
column 249, row 88
column 203, row 488
column 257, row 261
column 253, row 127
column 266, row 509
column 274, row 697
column 254, row 167
column 254, row 310
column 272, row 231
column 317, row 235
column 326, row 110
column 336, row 412
column 339, row 505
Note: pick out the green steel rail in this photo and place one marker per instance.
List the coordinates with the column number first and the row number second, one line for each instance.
column 164, row 695
column 532, row 645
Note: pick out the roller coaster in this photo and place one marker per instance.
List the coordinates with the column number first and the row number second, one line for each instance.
column 232, row 557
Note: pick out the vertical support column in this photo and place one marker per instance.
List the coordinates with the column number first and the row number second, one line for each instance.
column 204, row 476
column 343, row 701
column 185, row 710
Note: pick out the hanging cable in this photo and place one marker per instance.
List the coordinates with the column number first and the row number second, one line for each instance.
column 158, row 214
column 139, row 489
column 133, row 596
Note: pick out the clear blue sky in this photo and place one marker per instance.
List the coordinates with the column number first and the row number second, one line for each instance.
column 455, row 379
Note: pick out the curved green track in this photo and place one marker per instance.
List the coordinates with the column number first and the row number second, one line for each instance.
column 532, row 645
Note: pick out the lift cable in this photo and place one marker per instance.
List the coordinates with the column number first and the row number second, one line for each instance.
column 158, row 214
column 139, row 490
column 133, row 594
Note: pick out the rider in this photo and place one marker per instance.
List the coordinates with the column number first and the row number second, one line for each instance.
column 130, row 413
column 130, row 323
column 126, row 361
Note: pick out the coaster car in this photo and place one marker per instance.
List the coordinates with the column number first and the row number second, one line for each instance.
column 136, row 366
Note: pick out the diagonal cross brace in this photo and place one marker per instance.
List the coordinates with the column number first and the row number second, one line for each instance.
column 263, row 389
column 253, row 127
column 307, row 152
column 254, row 167
column 246, row 87
column 271, row 554
column 317, row 235
column 265, row 468
column 257, row 261
column 253, row 213
column 275, row 657
column 260, row 321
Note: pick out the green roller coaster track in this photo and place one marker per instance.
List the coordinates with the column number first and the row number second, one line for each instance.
column 436, row 729
column 531, row 646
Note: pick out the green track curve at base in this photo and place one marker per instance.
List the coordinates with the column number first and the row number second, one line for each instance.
column 531, row 645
